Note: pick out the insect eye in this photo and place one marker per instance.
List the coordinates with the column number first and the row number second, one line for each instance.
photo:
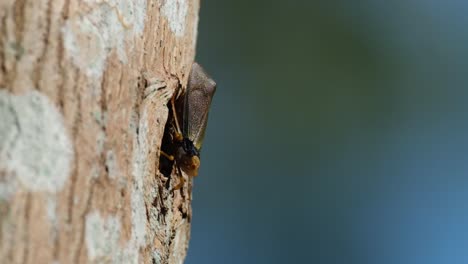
column 189, row 148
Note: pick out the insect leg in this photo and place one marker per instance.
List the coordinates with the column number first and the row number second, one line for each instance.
column 182, row 181
column 169, row 157
column 178, row 134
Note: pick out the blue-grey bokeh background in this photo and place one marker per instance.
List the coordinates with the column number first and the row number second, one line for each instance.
column 338, row 133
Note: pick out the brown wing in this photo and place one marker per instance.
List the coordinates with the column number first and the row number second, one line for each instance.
column 200, row 91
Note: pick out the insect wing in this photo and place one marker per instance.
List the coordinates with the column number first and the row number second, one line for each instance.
column 198, row 96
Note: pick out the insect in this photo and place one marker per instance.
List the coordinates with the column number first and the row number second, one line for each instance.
column 190, row 117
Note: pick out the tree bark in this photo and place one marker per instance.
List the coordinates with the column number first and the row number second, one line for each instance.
column 84, row 89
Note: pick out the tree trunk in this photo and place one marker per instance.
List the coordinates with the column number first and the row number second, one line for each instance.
column 84, row 88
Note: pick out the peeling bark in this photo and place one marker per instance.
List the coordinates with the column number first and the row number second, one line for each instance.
column 84, row 89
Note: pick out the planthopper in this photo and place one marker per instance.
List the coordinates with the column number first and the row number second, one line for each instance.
column 190, row 117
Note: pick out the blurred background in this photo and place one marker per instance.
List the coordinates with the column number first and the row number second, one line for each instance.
column 338, row 133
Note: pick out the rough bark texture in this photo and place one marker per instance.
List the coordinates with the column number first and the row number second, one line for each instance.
column 84, row 87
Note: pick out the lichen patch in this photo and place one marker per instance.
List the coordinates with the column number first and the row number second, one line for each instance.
column 102, row 236
column 88, row 39
column 175, row 12
column 139, row 165
column 35, row 148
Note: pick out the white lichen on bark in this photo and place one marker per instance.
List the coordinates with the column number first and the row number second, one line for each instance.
column 175, row 12
column 34, row 145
